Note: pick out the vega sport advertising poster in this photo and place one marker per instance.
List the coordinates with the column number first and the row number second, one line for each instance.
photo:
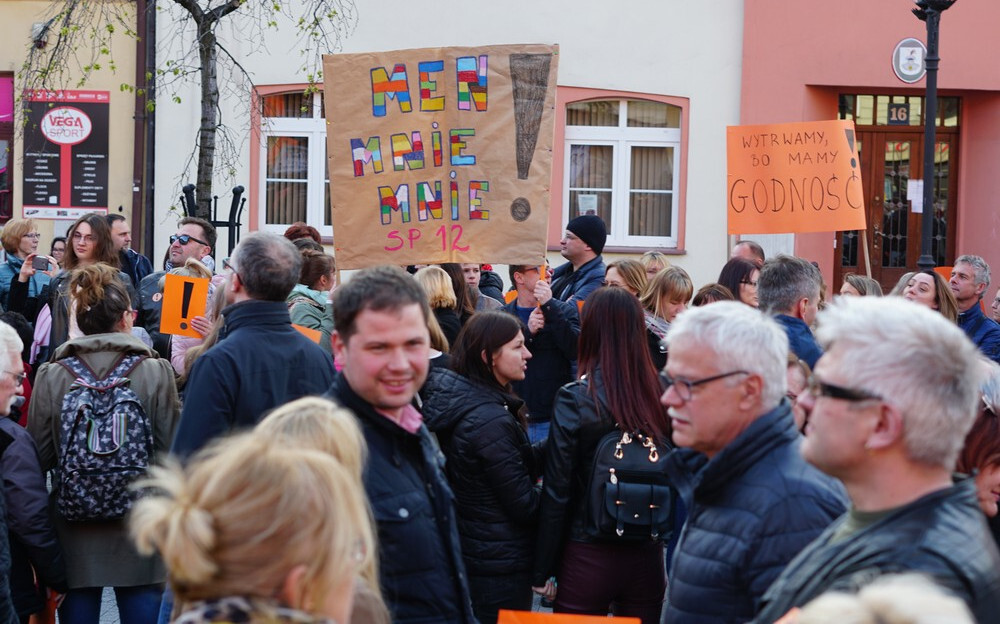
column 65, row 154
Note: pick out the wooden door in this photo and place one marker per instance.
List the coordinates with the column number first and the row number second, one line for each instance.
column 889, row 160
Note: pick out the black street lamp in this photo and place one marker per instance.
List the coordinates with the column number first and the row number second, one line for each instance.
column 929, row 11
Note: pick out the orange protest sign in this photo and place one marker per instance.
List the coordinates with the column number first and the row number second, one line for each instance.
column 527, row 617
column 795, row 177
column 311, row 334
column 183, row 298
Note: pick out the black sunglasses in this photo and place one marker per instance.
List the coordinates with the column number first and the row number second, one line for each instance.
column 819, row 388
column 185, row 239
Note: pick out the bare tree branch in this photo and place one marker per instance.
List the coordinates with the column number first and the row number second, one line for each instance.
column 81, row 32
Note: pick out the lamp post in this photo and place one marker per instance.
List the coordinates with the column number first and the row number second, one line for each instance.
column 929, row 11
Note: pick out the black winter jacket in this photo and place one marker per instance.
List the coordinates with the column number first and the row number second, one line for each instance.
column 490, row 468
column 33, row 540
column 491, row 285
column 577, row 426
column 150, row 295
column 751, row 509
column 259, row 363
column 572, row 286
column 420, row 558
column 942, row 534
column 553, row 353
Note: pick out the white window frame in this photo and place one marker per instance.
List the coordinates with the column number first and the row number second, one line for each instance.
column 622, row 138
column 314, row 130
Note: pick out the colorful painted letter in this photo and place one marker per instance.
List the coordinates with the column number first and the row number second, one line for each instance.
column 459, row 159
column 424, row 192
column 428, row 86
column 394, row 201
column 395, row 87
column 370, row 152
column 471, row 82
column 405, row 153
column 476, row 202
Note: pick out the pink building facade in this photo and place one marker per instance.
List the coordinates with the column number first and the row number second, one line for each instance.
column 805, row 61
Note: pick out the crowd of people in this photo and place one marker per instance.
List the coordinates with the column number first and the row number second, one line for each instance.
column 422, row 445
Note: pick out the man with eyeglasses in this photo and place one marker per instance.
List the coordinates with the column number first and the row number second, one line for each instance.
column 263, row 362
column 195, row 238
column 889, row 405
column 752, row 501
column 582, row 244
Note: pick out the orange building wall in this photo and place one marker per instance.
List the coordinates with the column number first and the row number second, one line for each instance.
column 797, row 56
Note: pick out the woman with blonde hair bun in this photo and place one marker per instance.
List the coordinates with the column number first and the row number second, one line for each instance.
column 256, row 534
column 891, row 599
column 321, row 424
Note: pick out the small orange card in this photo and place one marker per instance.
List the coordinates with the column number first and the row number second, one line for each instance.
column 183, row 298
column 311, row 334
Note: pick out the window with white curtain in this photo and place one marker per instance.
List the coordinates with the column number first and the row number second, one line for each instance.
column 294, row 177
column 623, row 164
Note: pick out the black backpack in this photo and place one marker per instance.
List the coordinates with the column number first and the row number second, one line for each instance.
column 630, row 496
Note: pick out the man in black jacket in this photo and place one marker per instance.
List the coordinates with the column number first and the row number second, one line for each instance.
column 752, row 501
column 553, row 331
column 133, row 264
column 581, row 244
column 260, row 361
column 11, row 385
column 891, row 428
column 195, row 238
column 381, row 339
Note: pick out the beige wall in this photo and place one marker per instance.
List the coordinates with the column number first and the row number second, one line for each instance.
column 17, row 18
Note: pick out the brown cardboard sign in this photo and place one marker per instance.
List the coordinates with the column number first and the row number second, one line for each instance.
column 440, row 154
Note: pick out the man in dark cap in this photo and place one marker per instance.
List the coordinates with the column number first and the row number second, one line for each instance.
column 582, row 244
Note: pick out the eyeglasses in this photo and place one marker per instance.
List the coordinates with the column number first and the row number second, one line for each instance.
column 34, row 235
column 684, row 387
column 77, row 237
column 18, row 377
column 229, row 266
column 749, row 283
column 185, row 239
column 819, row 388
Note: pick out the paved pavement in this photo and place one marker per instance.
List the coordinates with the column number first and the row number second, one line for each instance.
column 109, row 610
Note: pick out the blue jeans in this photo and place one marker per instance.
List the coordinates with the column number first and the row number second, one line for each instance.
column 538, row 431
column 136, row 605
column 166, row 606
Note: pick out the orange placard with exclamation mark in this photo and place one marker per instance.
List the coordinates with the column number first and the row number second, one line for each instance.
column 183, row 298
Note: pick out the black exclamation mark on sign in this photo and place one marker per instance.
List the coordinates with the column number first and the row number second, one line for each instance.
column 529, row 75
column 854, row 151
column 186, row 303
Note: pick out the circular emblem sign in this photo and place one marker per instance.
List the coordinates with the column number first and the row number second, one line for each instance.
column 909, row 60
column 66, row 125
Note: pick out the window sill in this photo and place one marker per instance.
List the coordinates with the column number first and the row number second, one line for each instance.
column 621, row 249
